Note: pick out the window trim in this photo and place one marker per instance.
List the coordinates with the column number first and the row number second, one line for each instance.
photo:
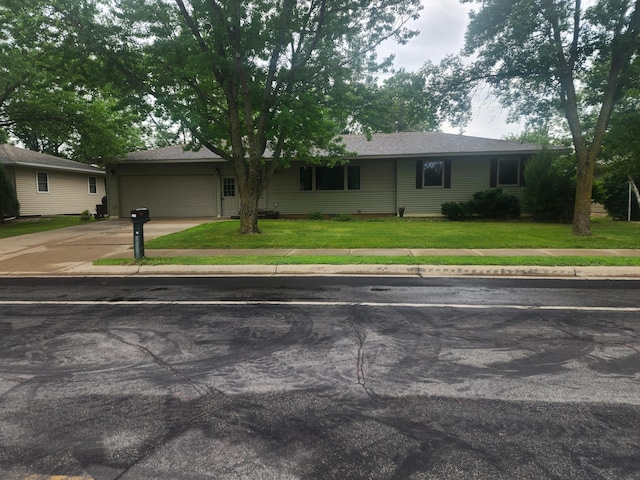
column 46, row 174
column 95, row 184
column 345, row 178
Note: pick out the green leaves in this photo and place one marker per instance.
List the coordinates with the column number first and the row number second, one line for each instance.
column 57, row 95
column 562, row 58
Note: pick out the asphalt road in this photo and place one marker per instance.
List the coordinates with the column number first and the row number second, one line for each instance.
column 319, row 378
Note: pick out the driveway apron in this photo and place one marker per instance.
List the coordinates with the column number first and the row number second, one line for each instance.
column 56, row 251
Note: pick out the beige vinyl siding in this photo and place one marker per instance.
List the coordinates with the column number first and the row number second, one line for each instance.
column 468, row 176
column 376, row 194
column 68, row 192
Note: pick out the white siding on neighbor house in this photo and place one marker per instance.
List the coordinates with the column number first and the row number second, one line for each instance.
column 376, row 195
column 468, row 176
column 68, row 192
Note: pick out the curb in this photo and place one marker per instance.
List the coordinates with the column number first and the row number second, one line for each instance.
column 427, row 271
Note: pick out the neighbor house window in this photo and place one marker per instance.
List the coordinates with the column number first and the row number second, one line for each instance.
column 330, row 178
column 509, row 172
column 93, row 185
column 433, row 173
column 42, row 179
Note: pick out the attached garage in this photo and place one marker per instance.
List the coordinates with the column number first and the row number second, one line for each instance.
column 168, row 195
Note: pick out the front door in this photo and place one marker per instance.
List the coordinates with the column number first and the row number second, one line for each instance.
column 229, row 197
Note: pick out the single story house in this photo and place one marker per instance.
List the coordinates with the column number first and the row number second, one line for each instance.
column 49, row 185
column 418, row 171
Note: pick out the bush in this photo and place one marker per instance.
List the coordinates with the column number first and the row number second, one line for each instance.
column 494, row 203
column 316, row 216
column 85, row 216
column 342, row 217
column 9, row 206
column 550, row 187
column 454, row 211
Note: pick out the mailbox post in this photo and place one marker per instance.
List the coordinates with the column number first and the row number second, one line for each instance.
column 139, row 216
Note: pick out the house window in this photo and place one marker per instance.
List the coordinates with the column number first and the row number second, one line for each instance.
column 306, row 179
column 42, row 179
column 93, row 185
column 330, row 178
column 433, row 174
column 353, row 177
column 509, row 172
column 322, row 178
column 229, row 187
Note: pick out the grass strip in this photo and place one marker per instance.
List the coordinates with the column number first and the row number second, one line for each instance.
column 569, row 261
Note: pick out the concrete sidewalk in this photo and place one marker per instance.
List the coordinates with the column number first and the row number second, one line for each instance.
column 71, row 252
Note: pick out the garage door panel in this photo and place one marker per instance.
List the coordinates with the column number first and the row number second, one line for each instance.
column 168, row 196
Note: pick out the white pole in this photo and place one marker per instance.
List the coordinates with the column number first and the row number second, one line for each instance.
column 629, row 207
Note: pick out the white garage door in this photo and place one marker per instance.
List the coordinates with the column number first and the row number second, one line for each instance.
column 168, row 195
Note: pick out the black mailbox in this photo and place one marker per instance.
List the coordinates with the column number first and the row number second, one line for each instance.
column 140, row 215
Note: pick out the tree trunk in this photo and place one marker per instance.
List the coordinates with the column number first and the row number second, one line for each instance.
column 582, row 210
column 249, row 210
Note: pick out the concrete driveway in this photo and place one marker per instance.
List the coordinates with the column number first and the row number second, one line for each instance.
column 57, row 251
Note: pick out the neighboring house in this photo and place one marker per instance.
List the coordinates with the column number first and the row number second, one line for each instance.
column 418, row 171
column 48, row 185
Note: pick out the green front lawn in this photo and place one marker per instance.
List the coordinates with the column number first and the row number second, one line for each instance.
column 377, row 260
column 23, row 226
column 401, row 233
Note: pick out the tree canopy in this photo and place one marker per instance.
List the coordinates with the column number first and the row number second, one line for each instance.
column 244, row 76
column 53, row 96
column 560, row 57
column 416, row 101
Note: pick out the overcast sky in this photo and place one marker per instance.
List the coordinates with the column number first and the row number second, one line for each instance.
column 442, row 26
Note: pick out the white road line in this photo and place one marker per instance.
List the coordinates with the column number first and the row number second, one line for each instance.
column 460, row 306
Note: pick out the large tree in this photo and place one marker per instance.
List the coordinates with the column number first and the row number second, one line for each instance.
column 53, row 93
column 415, row 101
column 548, row 56
column 251, row 79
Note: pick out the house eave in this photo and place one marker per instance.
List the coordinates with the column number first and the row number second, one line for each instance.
column 35, row 166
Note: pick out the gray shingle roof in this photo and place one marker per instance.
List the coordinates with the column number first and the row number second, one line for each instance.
column 10, row 155
column 175, row 153
column 431, row 144
column 417, row 144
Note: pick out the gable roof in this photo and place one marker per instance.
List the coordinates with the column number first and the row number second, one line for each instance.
column 10, row 155
column 381, row 145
